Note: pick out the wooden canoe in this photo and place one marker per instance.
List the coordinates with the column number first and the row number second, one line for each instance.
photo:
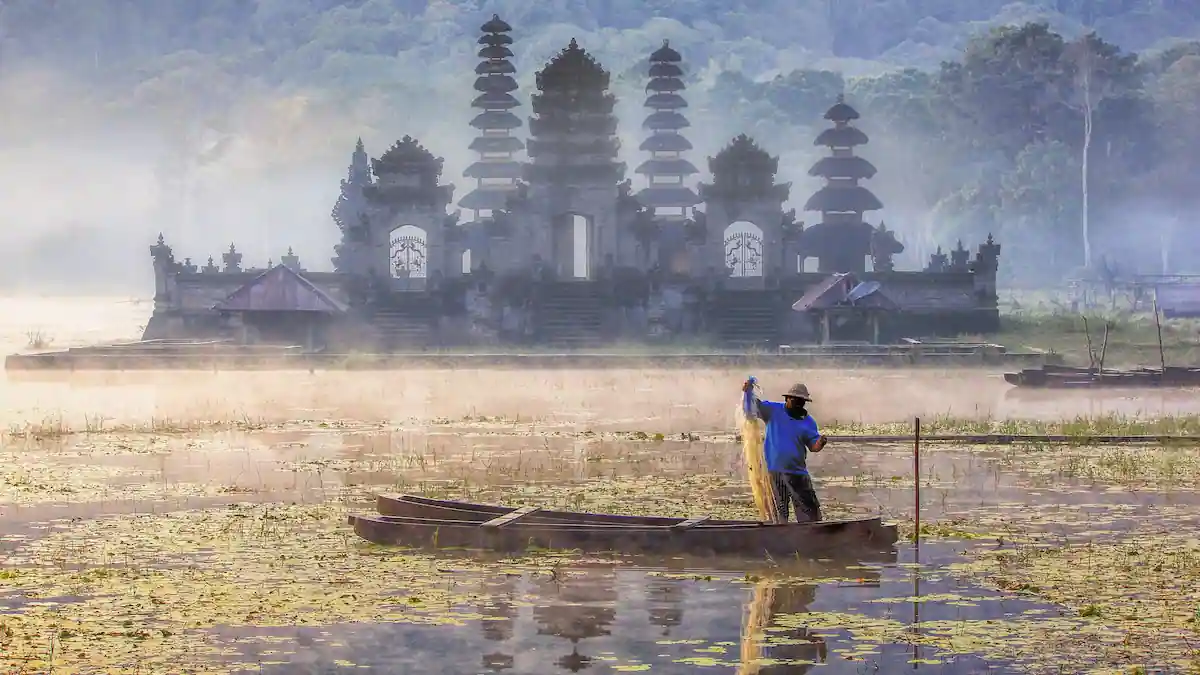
column 1067, row 377
column 412, row 506
column 441, row 524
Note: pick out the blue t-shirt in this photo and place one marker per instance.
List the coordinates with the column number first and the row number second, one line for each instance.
column 787, row 439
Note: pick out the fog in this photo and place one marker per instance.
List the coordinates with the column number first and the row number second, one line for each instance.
column 86, row 192
column 92, row 173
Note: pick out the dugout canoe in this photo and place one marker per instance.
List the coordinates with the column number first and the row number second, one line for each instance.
column 442, row 524
column 1067, row 377
column 412, row 506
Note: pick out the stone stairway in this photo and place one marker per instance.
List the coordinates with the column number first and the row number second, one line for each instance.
column 747, row 319
column 571, row 314
column 405, row 323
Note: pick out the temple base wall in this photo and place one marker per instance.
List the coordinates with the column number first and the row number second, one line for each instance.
column 475, row 311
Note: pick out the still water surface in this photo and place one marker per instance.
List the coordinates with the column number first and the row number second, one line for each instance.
column 606, row 620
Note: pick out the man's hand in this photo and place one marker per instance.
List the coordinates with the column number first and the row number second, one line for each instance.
column 748, row 386
column 819, row 444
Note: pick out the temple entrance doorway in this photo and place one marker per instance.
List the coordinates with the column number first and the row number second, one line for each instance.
column 408, row 254
column 573, row 234
column 744, row 250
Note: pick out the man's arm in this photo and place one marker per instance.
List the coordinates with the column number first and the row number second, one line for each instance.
column 764, row 410
column 752, row 404
column 816, row 441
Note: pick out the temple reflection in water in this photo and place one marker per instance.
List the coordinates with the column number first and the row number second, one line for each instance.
column 590, row 619
column 600, row 617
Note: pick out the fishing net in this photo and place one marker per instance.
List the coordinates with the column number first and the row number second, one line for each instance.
column 753, row 434
column 756, row 469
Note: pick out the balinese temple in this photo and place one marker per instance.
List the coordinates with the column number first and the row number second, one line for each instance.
column 497, row 171
column 556, row 248
column 667, row 168
column 842, row 241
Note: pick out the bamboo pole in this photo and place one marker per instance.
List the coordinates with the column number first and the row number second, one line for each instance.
column 1091, row 350
column 916, row 535
column 1104, row 348
column 917, row 487
column 1162, row 354
column 1010, row 439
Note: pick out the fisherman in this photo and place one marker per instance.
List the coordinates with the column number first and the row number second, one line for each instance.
column 791, row 435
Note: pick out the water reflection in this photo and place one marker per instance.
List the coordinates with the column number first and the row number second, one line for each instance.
column 575, row 610
column 1066, row 403
column 606, row 619
column 803, row 649
column 497, row 623
column 665, row 604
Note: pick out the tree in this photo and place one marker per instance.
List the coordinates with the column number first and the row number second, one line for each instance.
column 1005, row 92
column 1099, row 72
column 1172, row 185
column 1034, row 199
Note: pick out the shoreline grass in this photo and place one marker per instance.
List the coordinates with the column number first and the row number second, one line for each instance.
column 1184, row 425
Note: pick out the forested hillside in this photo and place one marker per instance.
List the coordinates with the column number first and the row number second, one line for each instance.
column 233, row 119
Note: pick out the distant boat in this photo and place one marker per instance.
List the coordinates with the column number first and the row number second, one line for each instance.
column 407, row 520
column 1067, row 377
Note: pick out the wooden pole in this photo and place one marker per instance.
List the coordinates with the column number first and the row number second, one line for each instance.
column 917, row 486
column 1162, row 355
column 916, row 607
column 1091, row 351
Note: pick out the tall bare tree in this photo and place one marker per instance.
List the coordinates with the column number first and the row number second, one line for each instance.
column 1097, row 71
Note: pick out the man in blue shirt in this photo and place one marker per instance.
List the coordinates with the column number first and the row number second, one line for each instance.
column 791, row 434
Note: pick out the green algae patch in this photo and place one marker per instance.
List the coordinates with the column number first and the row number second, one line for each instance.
column 138, row 593
column 1137, row 598
column 1035, row 642
column 1081, row 426
column 33, row 480
column 1152, row 468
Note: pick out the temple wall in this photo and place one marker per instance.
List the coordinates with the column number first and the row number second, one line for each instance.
column 199, row 292
column 914, row 291
column 187, row 309
column 934, row 292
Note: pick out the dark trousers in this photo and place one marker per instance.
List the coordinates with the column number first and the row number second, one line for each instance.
column 793, row 488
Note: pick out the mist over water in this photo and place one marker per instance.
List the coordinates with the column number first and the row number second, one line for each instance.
column 238, row 129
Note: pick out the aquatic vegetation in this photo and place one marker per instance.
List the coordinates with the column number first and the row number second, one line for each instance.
column 1068, row 540
column 1080, row 426
column 139, row 591
column 1144, row 589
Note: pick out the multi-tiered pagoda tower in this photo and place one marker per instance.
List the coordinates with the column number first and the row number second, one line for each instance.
column 497, row 171
column 667, row 168
column 573, row 172
column 842, row 241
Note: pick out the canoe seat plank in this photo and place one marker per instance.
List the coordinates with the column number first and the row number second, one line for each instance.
column 690, row 523
column 511, row 516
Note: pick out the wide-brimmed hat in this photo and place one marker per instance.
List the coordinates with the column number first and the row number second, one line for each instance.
column 798, row 391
